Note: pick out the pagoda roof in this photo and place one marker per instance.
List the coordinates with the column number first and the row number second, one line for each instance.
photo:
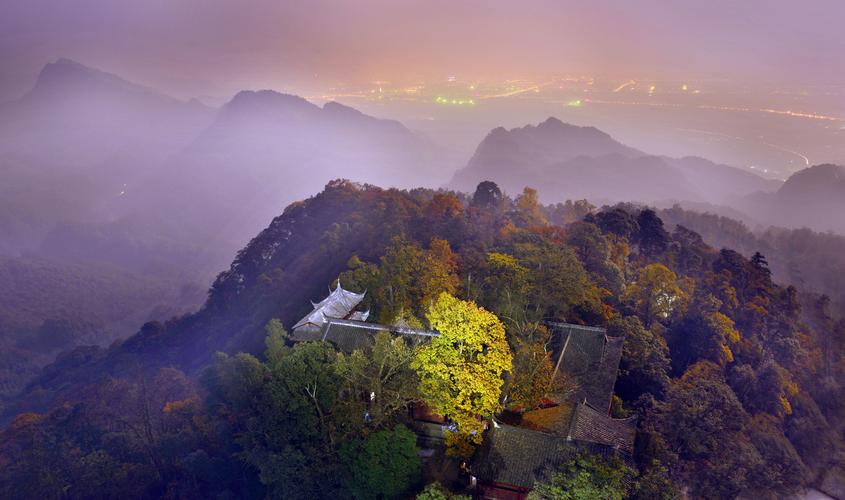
column 339, row 304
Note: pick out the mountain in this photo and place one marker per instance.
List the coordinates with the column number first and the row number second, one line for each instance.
column 266, row 149
column 570, row 162
column 76, row 142
column 76, row 116
column 118, row 167
column 109, row 184
column 813, row 198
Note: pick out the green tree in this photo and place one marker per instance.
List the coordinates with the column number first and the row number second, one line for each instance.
column 437, row 273
column 645, row 359
column 488, row 196
column 291, row 435
column 407, row 278
column 703, row 333
column 505, row 286
column 594, row 251
column 461, row 369
column 652, row 238
column 436, row 491
column 384, row 465
column 616, row 221
column 586, row 476
column 559, row 283
column 384, row 373
column 703, row 420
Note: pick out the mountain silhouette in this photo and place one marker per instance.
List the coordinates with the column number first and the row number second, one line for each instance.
column 813, row 198
column 567, row 162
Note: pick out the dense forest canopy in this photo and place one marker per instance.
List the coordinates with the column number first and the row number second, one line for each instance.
column 736, row 380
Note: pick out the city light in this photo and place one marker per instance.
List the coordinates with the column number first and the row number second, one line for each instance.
column 454, row 101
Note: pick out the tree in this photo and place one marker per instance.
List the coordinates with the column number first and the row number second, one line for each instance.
column 290, row 436
column 437, row 272
column 655, row 294
column 566, row 213
column 782, row 472
column 645, row 359
column 383, row 373
column 616, row 221
column 384, row 465
column 654, row 483
column 652, row 238
column 558, row 281
column 407, row 279
column 436, row 491
column 529, row 208
column 487, row 195
column 531, row 377
column 594, row 251
column 461, row 369
column 586, row 476
column 703, row 419
column 703, row 333
column 505, row 286
column 399, row 265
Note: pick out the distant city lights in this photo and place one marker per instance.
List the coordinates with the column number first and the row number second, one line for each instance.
column 575, row 103
column 454, row 102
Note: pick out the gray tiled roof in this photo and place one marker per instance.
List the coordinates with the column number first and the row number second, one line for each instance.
column 592, row 426
column 587, row 358
column 349, row 335
column 519, row 457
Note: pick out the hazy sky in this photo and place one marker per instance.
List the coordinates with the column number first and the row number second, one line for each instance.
column 214, row 47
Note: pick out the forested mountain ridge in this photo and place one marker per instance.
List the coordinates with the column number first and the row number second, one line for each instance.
column 807, row 259
column 735, row 379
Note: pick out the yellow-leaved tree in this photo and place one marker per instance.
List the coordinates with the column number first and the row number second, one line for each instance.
column 461, row 369
column 656, row 294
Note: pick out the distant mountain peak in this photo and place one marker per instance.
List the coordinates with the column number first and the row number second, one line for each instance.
column 66, row 78
column 267, row 96
column 553, row 122
column 340, row 109
column 819, row 181
column 67, row 72
column 64, row 61
column 552, row 139
column 268, row 103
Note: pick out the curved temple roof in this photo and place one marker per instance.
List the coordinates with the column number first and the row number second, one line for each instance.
column 339, row 304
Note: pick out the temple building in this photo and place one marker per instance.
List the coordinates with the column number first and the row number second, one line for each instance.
column 521, row 447
column 335, row 320
column 340, row 304
column 516, row 454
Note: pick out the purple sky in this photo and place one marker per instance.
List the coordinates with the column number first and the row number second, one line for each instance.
column 215, row 47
